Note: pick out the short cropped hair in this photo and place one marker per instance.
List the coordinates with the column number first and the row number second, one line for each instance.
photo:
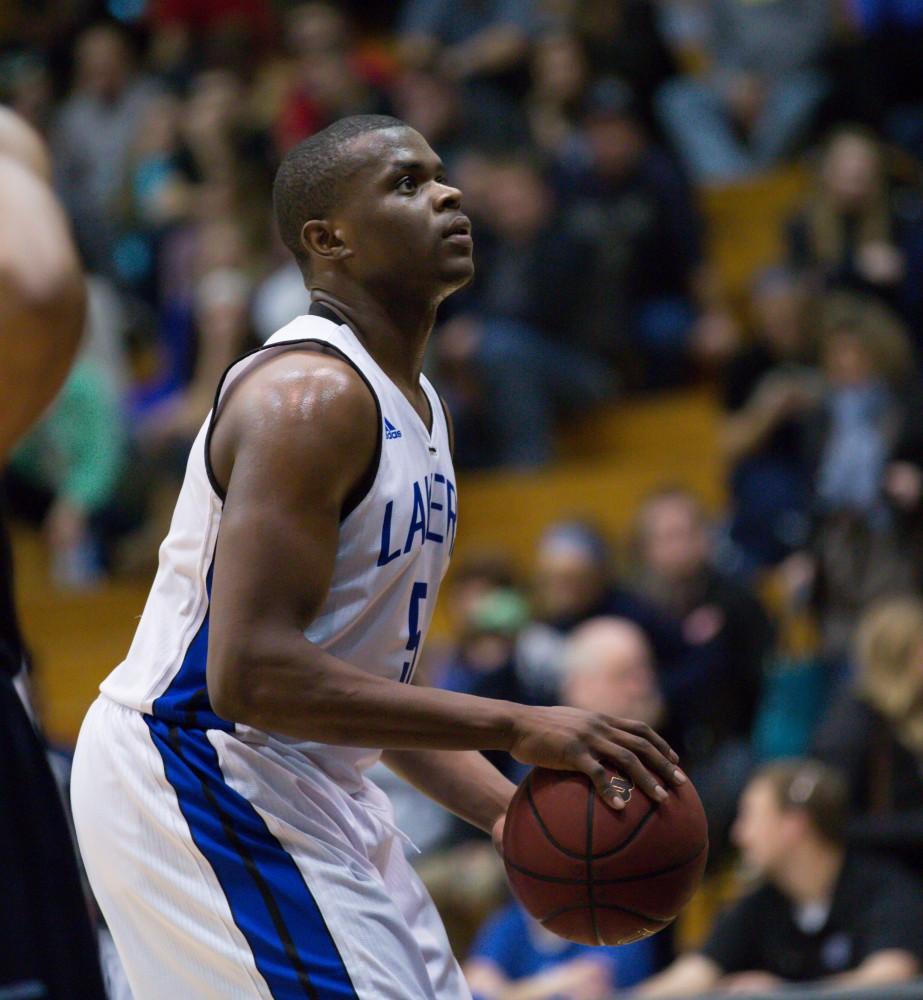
column 812, row 787
column 309, row 179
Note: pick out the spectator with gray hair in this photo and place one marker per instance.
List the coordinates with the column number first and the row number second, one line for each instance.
column 608, row 666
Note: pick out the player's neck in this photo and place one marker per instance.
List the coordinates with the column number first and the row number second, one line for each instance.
column 394, row 333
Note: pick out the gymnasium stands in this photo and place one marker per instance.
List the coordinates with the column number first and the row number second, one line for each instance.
column 166, row 119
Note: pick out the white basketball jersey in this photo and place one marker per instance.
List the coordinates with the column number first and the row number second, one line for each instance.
column 394, row 547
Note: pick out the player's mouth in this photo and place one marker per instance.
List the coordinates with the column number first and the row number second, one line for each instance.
column 459, row 231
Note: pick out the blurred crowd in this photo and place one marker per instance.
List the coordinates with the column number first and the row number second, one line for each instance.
column 583, row 134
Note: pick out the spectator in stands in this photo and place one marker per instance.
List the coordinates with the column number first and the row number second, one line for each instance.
column 520, row 325
column 514, row 956
column 652, row 301
column 92, row 134
column 435, row 107
column 761, row 93
column 560, row 74
column 879, row 80
column 482, row 44
column 623, row 39
column 608, row 666
column 824, row 914
column 331, row 79
column 712, row 698
column 866, row 444
column 187, row 33
column 221, row 312
column 873, row 731
column 66, row 474
column 220, row 144
column 855, row 233
column 156, row 194
column 769, row 386
column 573, row 583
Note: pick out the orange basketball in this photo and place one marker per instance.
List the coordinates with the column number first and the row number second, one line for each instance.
column 596, row 875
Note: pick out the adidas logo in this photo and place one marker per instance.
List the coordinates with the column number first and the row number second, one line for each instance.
column 391, row 432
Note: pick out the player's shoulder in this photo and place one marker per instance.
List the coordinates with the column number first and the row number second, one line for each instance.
column 306, row 384
column 302, row 407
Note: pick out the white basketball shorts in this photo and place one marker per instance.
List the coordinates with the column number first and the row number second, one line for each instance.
column 224, row 875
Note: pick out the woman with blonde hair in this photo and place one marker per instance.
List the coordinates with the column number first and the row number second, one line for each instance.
column 855, row 230
column 874, row 729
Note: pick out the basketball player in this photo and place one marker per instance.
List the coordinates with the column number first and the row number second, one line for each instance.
column 233, row 842
column 47, row 948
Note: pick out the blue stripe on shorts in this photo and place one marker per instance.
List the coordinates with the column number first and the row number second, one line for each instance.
column 269, row 900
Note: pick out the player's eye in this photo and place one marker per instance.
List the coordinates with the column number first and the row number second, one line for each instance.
column 407, row 184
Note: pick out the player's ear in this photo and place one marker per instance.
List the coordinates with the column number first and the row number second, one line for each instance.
column 318, row 236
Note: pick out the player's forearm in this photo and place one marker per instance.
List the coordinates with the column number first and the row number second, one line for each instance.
column 466, row 783
column 288, row 685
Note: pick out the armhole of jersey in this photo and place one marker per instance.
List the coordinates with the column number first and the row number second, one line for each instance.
column 361, row 490
column 449, row 426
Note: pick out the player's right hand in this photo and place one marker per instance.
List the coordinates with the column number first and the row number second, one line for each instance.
column 569, row 739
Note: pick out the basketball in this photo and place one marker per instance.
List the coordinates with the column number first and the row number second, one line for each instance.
column 595, row 875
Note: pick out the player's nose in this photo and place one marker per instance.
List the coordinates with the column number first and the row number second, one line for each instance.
column 448, row 197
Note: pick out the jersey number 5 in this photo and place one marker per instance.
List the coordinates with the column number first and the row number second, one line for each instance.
column 417, row 597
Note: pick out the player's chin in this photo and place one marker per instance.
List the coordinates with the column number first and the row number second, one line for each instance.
column 458, row 272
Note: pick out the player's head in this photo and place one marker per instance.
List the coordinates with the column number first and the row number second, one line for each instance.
column 786, row 805
column 367, row 199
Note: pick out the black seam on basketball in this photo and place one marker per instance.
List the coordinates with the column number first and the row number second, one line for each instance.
column 544, row 828
column 590, row 805
column 559, row 880
column 629, row 839
column 571, row 907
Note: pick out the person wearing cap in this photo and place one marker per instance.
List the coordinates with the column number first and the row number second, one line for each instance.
column 822, row 914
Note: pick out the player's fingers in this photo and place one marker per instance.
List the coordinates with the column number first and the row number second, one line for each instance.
column 633, row 767
column 650, row 754
column 643, row 730
column 596, row 771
